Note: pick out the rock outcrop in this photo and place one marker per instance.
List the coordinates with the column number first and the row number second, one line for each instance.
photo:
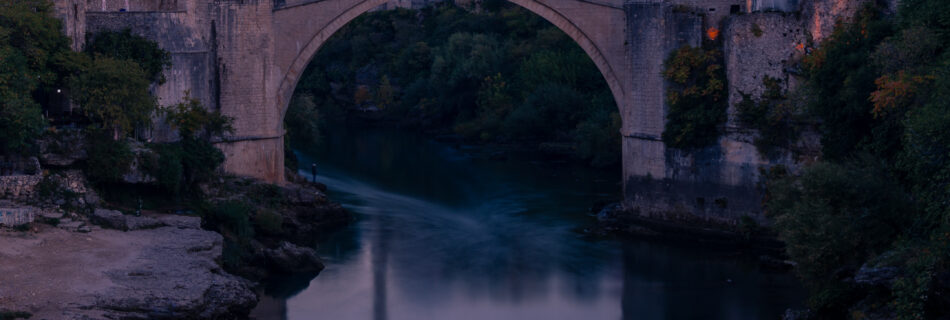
column 288, row 257
column 177, row 278
column 170, row 272
column 113, row 219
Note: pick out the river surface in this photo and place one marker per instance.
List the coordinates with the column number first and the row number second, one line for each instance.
column 443, row 234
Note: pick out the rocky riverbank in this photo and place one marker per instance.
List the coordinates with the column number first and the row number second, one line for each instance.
column 614, row 220
column 170, row 271
column 78, row 260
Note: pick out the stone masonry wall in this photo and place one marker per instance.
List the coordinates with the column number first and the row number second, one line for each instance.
column 15, row 216
column 245, row 46
column 760, row 45
column 717, row 185
column 21, row 185
column 187, row 36
column 73, row 15
column 712, row 186
column 135, row 5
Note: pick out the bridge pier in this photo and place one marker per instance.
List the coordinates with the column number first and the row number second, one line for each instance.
column 258, row 157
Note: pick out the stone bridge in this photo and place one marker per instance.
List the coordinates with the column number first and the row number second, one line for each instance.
column 244, row 57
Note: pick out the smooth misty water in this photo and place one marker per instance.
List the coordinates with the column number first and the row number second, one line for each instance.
column 443, row 235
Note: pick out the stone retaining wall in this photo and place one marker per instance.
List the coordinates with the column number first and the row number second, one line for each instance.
column 11, row 217
column 21, row 185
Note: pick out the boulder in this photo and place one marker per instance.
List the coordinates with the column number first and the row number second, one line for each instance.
column 116, row 220
column 797, row 314
column 177, row 278
column 180, row 221
column 63, row 149
column 876, row 276
column 290, row 258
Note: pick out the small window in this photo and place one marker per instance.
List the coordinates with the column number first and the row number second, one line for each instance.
column 712, row 9
column 734, row 8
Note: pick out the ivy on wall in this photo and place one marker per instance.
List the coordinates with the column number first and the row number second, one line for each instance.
column 697, row 97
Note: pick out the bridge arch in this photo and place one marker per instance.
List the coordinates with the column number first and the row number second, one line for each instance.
column 306, row 52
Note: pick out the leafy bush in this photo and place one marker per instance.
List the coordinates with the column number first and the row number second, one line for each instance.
column 773, row 117
column 200, row 159
column 269, row 222
column 303, row 119
column 22, row 123
column 232, row 218
column 115, row 95
column 833, row 218
column 840, row 81
column 880, row 89
column 193, row 159
column 108, row 159
column 31, row 45
column 696, row 97
column 165, row 164
column 123, row 45
column 194, row 121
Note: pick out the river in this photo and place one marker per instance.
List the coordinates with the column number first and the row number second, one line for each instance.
column 443, row 234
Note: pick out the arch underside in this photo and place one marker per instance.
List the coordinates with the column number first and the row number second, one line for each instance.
column 305, row 50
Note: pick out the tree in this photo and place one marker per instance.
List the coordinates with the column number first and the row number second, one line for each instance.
column 20, row 116
column 385, row 94
column 124, row 45
column 833, row 218
column 194, row 121
column 114, row 94
column 196, row 126
column 30, row 41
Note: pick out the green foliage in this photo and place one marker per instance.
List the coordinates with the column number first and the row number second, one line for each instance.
column 881, row 90
column 303, row 119
column 108, row 159
column 834, row 217
column 840, row 80
column 51, row 188
column 231, row 218
column 756, row 30
column 123, row 45
column 268, row 195
column 22, row 123
column 200, row 159
column 165, row 164
column 500, row 75
column 597, row 138
column 30, row 46
column 179, row 166
column 697, row 98
column 269, row 222
column 29, row 28
column 194, row 121
column 773, row 117
column 114, row 94
column 12, row 315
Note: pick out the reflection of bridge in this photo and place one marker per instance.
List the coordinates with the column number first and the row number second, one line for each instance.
column 245, row 58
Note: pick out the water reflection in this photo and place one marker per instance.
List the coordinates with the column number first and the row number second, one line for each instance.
column 446, row 236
